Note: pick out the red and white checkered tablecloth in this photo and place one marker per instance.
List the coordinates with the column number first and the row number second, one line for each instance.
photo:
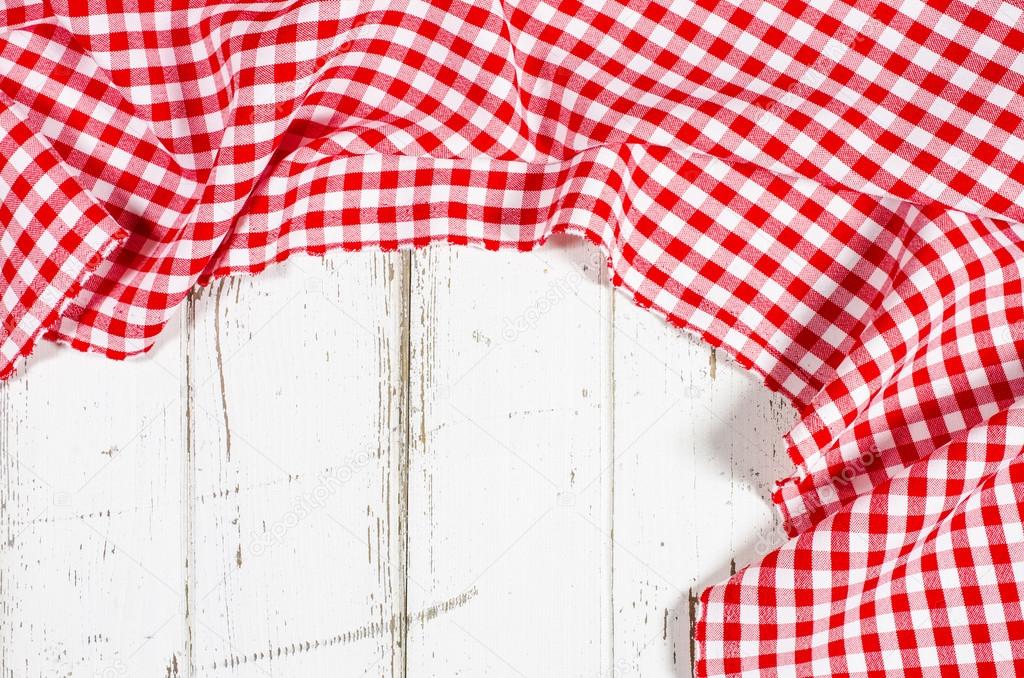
column 831, row 191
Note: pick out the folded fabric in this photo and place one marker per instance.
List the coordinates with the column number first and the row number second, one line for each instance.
column 831, row 191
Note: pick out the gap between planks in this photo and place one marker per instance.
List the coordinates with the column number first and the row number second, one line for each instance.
column 407, row 292
column 400, row 619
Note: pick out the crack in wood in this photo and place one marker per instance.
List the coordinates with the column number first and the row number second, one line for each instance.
column 400, row 665
column 692, row 600
column 219, row 354
column 189, row 484
column 375, row 629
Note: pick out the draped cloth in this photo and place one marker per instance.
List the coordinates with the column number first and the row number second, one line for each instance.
column 831, row 191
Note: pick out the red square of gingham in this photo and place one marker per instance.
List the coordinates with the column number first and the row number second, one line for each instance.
column 831, row 191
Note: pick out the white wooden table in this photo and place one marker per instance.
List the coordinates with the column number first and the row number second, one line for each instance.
column 431, row 464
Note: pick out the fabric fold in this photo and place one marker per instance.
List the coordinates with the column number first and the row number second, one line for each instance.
column 944, row 594
column 55, row 236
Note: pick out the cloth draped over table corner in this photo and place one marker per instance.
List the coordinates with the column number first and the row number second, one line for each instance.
column 830, row 191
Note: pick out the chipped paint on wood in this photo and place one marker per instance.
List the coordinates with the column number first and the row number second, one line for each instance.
column 361, row 443
column 217, row 315
column 91, row 568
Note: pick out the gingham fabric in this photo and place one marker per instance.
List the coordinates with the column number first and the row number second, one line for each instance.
column 831, row 191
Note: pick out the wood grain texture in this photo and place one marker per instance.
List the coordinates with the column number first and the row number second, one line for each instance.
column 697, row 447
column 297, row 443
column 511, row 418
column 407, row 465
column 91, row 497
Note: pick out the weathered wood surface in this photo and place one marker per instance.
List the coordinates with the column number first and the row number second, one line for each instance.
column 430, row 464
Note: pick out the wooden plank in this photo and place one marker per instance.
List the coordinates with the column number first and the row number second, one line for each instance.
column 697, row 448
column 510, row 383
column 90, row 488
column 456, row 466
column 296, row 442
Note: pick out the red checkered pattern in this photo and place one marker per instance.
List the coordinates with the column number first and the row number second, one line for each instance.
column 829, row 190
